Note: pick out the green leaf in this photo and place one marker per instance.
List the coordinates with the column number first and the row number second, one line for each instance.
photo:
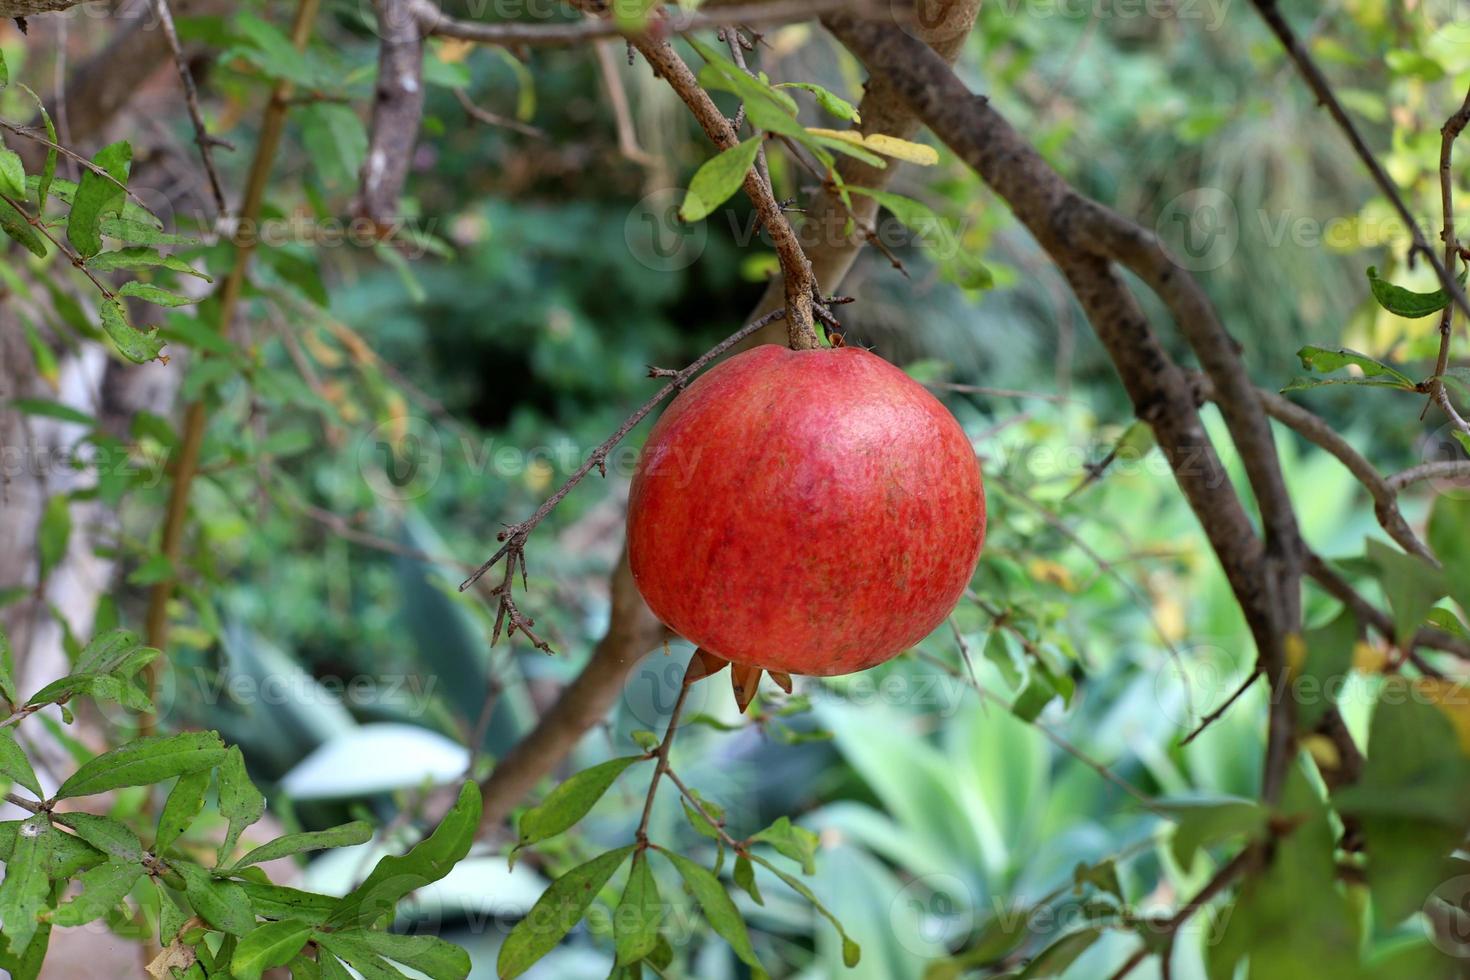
column 222, row 904
column 182, row 807
column 130, row 231
column 14, row 224
column 12, row 174
column 107, row 834
column 157, row 295
column 570, row 801
column 48, row 169
column 103, row 887
column 1054, row 959
column 134, row 344
column 25, row 892
column 336, row 142
column 270, row 945
column 834, row 104
column 1201, row 822
column 1103, row 876
column 1411, row 800
column 279, row 902
column 145, row 761
column 51, row 409
column 718, row 907
column 555, row 912
column 745, row 879
column 644, row 739
column 722, row 74
column 719, row 178
column 7, row 667
column 1412, row 585
column 1324, row 360
column 347, row 835
column 851, row 951
column 914, row 214
column 1272, row 920
column 142, row 257
column 4, row 71
column 1402, row 302
column 635, row 924
column 797, row 843
column 55, row 532
column 97, row 196
column 15, row 766
column 1449, row 537
column 429, row 955
column 698, row 820
column 428, row 861
column 239, row 801
column 1328, row 662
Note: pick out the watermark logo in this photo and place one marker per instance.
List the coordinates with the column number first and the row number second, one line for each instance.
column 931, row 914
column 1442, row 448
column 1201, row 227
column 401, row 459
column 658, row 238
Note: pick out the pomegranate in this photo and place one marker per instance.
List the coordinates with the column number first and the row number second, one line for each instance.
column 805, row 512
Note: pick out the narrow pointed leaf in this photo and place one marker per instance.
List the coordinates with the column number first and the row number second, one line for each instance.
column 556, row 912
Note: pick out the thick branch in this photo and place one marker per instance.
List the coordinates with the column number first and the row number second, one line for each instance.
column 398, row 109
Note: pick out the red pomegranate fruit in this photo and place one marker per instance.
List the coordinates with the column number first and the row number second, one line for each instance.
column 805, row 512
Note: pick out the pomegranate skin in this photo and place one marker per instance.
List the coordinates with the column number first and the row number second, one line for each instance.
column 810, row 512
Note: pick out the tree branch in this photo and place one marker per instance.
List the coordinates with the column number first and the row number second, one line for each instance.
column 398, row 109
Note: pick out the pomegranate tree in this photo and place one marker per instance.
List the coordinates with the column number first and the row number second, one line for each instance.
column 805, row 512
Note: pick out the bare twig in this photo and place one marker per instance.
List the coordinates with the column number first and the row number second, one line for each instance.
column 165, row 15
column 39, row 137
column 691, row 677
column 1447, row 469
column 515, row 536
column 607, row 65
column 1450, row 132
column 494, row 118
column 1219, row 712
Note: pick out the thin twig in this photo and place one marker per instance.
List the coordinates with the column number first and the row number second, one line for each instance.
column 1219, row 712
column 75, row 259
column 665, row 746
column 515, row 536
column 165, row 16
column 495, row 119
column 1450, row 132
column 39, row 137
column 1445, row 469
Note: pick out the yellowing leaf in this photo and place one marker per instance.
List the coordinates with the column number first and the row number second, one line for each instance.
column 454, row 50
column 1296, row 653
column 889, row 146
column 1044, row 570
column 1323, row 752
column 1368, row 659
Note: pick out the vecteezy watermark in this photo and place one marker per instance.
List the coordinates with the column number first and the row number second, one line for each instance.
column 1442, row 446
column 658, row 238
column 411, row 695
column 403, row 458
column 932, row 914
column 1447, row 910
column 1201, row 228
column 143, row 468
